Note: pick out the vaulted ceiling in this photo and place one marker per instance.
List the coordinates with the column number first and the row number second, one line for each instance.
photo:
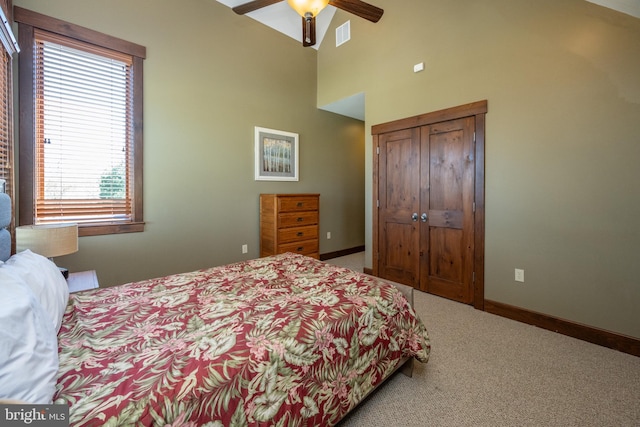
column 282, row 18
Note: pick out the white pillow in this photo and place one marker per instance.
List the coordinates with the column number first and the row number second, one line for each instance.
column 28, row 344
column 44, row 279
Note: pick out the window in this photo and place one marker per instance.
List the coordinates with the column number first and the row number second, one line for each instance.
column 6, row 140
column 81, row 127
column 8, row 47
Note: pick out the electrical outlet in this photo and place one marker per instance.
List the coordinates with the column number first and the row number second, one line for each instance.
column 519, row 275
column 328, row 234
column 245, row 249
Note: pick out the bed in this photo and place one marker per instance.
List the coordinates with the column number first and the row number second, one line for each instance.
column 285, row 340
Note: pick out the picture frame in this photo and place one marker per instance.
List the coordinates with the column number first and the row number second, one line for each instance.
column 276, row 155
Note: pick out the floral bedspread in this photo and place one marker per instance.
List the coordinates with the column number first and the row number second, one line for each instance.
column 284, row 340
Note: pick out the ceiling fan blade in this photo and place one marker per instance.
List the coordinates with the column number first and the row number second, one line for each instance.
column 253, row 5
column 308, row 31
column 359, row 8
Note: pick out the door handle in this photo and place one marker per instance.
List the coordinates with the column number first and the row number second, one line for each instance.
column 414, row 217
column 424, row 217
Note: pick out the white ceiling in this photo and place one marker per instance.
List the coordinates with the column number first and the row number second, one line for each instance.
column 630, row 7
column 282, row 18
column 351, row 106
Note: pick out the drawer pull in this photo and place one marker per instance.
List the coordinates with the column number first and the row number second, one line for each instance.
column 300, row 219
column 300, row 249
column 300, row 233
column 300, row 204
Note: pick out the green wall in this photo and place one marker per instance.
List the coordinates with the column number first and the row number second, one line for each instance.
column 210, row 76
column 562, row 80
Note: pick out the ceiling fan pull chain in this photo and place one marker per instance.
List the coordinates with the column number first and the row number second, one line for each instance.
column 307, row 20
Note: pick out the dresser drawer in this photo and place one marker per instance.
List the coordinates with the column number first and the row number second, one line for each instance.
column 297, row 234
column 297, row 219
column 307, row 247
column 299, row 203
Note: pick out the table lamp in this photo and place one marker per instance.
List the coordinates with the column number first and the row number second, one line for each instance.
column 49, row 240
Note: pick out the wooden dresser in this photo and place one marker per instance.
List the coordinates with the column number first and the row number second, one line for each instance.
column 289, row 223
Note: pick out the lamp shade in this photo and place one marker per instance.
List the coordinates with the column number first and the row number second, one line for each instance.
column 48, row 240
column 308, row 6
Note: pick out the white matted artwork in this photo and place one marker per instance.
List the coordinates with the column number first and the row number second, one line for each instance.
column 276, row 155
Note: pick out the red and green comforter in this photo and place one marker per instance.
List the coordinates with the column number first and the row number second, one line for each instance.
column 284, row 340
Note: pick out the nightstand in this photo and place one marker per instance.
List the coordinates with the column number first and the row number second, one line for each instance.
column 82, row 281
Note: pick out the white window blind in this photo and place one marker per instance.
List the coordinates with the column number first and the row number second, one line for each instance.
column 83, row 131
column 6, row 170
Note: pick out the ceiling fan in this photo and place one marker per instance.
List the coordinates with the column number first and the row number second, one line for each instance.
column 309, row 9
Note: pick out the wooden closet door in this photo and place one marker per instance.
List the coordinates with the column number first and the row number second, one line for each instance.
column 447, row 197
column 432, row 165
column 426, row 219
column 398, row 192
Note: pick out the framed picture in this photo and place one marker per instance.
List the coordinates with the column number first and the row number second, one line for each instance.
column 276, row 155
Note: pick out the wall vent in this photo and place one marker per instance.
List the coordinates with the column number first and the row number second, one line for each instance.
column 343, row 33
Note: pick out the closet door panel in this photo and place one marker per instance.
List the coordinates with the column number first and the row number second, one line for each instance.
column 448, row 269
column 398, row 191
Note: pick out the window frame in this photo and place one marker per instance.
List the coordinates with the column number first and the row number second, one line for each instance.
column 28, row 21
column 8, row 47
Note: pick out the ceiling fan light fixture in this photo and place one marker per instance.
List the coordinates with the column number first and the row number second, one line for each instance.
column 305, row 7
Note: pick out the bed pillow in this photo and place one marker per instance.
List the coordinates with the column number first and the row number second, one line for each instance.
column 44, row 279
column 5, row 245
column 28, row 344
column 5, row 220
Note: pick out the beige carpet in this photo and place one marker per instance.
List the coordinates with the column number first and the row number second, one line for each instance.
column 486, row 370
